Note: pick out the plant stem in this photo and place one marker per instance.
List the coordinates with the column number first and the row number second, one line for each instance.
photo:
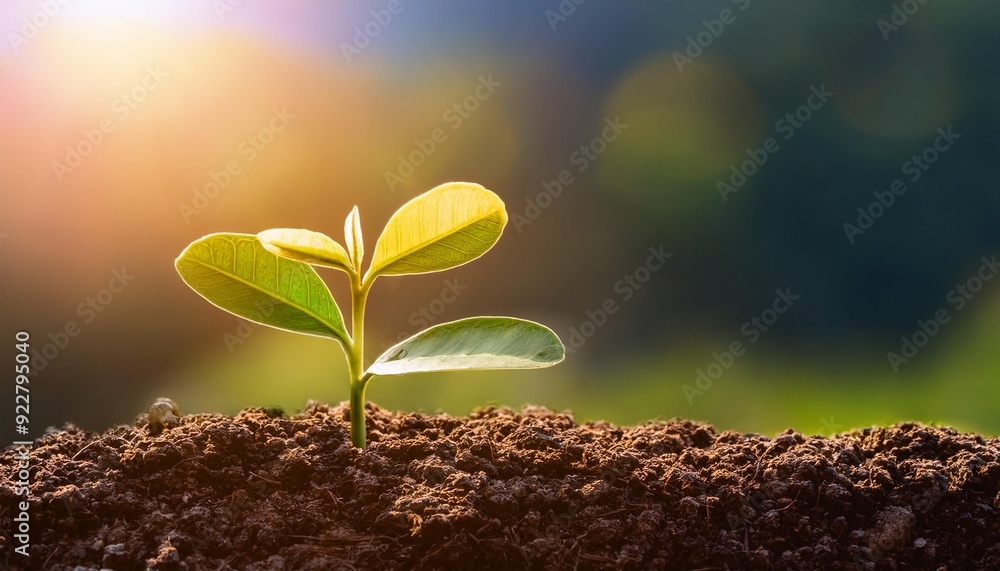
column 358, row 430
column 356, row 360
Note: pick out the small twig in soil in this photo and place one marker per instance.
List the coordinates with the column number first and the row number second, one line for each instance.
column 600, row 558
column 474, row 540
column 576, row 560
column 333, row 498
column 75, row 456
column 183, row 461
column 265, row 479
column 428, row 555
column 225, row 563
column 616, row 512
column 791, row 503
column 46, row 564
column 344, row 538
column 488, row 525
column 819, row 495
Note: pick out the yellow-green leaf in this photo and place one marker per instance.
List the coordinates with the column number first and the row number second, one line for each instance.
column 305, row 246
column 355, row 242
column 236, row 273
column 444, row 227
column 473, row 343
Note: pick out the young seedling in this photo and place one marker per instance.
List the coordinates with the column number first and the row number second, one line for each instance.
column 269, row 279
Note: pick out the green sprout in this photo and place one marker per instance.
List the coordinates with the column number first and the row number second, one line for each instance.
column 269, row 279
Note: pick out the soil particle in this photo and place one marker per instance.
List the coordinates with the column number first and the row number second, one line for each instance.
column 500, row 489
column 893, row 526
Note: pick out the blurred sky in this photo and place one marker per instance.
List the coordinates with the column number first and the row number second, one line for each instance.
column 740, row 137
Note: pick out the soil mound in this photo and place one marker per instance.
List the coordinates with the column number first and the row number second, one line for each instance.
column 501, row 489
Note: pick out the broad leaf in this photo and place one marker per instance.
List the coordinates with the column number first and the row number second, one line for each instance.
column 444, row 227
column 305, row 246
column 473, row 343
column 236, row 273
column 355, row 242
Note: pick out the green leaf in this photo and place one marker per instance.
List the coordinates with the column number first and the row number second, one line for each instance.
column 473, row 343
column 235, row 272
column 444, row 227
column 305, row 246
column 355, row 242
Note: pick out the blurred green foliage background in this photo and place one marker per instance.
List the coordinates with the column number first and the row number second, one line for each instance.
column 738, row 136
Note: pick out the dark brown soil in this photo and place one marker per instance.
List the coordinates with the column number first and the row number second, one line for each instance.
column 503, row 489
